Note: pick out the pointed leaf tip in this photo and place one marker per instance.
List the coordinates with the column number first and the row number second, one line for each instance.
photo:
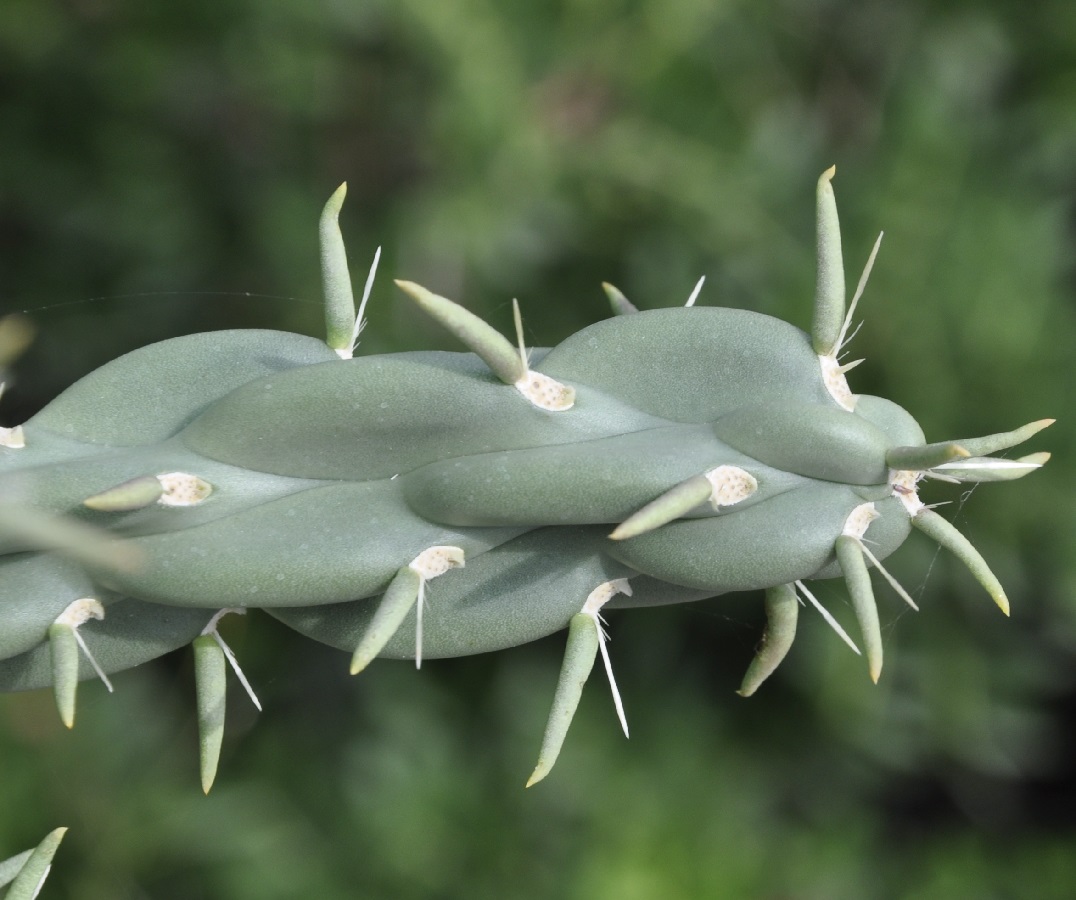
column 782, row 613
column 620, row 304
column 829, row 304
column 210, row 683
column 137, row 493
column 580, row 654
column 949, row 537
column 857, row 577
column 398, row 600
column 993, row 443
column 27, row 883
column 64, row 651
column 335, row 275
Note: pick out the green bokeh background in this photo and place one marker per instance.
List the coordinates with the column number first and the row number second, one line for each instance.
column 162, row 167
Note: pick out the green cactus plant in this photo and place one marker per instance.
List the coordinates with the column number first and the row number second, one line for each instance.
column 433, row 504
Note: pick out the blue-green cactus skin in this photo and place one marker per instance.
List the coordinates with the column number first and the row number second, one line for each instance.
column 686, row 453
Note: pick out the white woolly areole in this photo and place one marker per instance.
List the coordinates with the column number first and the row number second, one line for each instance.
column 859, row 520
column 603, row 593
column 80, row 612
column 183, row 489
column 13, row 438
column 835, row 382
column 545, row 392
column 436, row 561
column 730, row 484
column 903, row 482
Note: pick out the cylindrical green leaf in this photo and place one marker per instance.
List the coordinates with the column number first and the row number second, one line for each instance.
column 395, row 604
column 35, row 870
column 829, row 298
column 210, row 684
column 782, row 612
column 579, row 656
column 858, row 579
column 620, row 304
column 674, row 503
column 495, row 350
column 335, row 277
column 137, row 493
column 64, row 648
column 946, row 534
column 919, row 459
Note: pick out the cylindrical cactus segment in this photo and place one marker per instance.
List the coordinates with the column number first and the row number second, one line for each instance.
column 661, row 456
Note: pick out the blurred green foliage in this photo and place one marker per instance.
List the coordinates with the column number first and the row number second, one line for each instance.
column 162, row 171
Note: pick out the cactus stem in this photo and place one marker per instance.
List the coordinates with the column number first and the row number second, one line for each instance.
column 695, row 292
column 27, row 883
column 137, row 493
column 946, row 534
column 828, row 616
column 782, row 611
column 857, row 577
column 336, row 279
column 620, row 304
column 585, row 638
column 829, row 291
column 64, row 645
